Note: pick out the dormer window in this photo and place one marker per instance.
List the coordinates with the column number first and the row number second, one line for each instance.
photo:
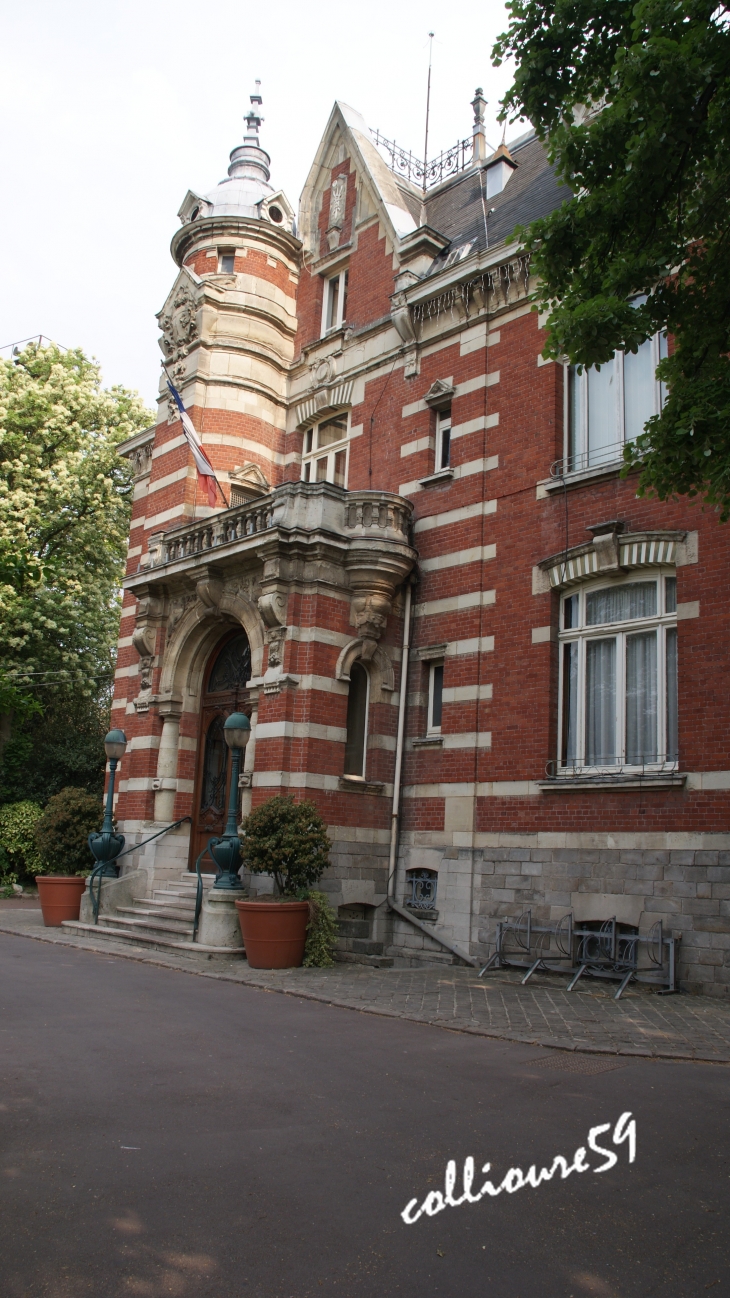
column 226, row 261
column 499, row 170
column 276, row 215
column 334, row 305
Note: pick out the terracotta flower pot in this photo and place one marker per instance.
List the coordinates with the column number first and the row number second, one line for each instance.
column 60, row 897
column 274, row 932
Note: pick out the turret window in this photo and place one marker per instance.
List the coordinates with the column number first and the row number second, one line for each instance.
column 227, row 262
column 325, row 452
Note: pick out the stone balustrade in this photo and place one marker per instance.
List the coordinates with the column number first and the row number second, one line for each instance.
column 379, row 516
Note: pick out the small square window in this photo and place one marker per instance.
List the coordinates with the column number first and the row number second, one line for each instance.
column 227, row 263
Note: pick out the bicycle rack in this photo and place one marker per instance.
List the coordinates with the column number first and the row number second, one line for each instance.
column 604, row 953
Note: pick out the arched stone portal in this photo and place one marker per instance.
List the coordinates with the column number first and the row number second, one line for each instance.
column 225, row 690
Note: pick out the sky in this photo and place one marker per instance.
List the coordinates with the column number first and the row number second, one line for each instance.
column 112, row 111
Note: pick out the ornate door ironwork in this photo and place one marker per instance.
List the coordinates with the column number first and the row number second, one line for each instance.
column 227, row 675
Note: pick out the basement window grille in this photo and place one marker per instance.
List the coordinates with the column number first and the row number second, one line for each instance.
column 421, row 889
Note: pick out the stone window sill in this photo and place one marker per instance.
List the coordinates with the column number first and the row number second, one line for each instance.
column 443, row 475
column 577, row 479
column 576, row 783
column 429, row 741
column 426, row 916
column 356, row 784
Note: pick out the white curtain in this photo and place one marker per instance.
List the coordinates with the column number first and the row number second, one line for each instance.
column 672, row 718
column 601, row 703
column 639, row 389
column 641, row 698
column 621, row 603
column 570, row 703
column 603, row 432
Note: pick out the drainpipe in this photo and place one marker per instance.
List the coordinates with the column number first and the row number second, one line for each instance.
column 395, row 814
column 429, row 929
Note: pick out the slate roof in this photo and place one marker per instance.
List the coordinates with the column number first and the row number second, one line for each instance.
column 456, row 210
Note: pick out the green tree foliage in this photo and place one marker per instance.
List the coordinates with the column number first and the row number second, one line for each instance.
column 18, row 821
column 62, row 832
column 65, row 501
column 648, row 164
column 289, row 840
column 322, row 932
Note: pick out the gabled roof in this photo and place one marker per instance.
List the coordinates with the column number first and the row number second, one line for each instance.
column 455, row 209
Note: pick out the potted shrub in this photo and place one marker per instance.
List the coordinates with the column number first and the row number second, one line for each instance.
column 288, row 840
column 61, row 836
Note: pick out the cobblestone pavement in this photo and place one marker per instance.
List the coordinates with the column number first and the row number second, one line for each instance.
column 543, row 1013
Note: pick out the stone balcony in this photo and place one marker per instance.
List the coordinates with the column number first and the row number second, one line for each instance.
column 357, row 529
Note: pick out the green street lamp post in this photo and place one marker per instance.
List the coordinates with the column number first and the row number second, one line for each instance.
column 226, row 850
column 105, row 844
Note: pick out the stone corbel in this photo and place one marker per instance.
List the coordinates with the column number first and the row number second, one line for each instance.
column 209, row 587
column 370, row 615
column 272, row 607
column 148, row 618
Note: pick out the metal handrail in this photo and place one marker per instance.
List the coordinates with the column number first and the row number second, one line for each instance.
column 199, row 889
column 98, row 872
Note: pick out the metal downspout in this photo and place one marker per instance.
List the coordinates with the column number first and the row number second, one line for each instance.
column 395, row 814
column 428, row 929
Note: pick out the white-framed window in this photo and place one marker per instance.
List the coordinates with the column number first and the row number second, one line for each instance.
column 443, row 439
column 358, row 699
column 226, row 261
column 325, row 453
column 435, row 697
column 618, row 675
column 334, row 302
column 608, row 406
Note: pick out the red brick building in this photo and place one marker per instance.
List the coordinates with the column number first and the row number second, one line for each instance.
column 369, row 385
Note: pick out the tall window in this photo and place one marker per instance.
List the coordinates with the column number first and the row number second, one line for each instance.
column 609, row 406
column 324, row 458
column 443, row 439
column 334, row 306
column 357, row 721
column 435, row 697
column 226, row 261
column 618, row 675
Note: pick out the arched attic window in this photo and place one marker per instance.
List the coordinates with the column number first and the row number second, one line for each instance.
column 357, row 721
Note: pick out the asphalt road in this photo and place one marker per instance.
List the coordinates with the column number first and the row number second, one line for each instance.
column 164, row 1133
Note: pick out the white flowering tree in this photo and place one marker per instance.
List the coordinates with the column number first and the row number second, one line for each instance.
column 65, row 499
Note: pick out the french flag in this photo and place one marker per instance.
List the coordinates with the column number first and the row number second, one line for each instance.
column 206, row 472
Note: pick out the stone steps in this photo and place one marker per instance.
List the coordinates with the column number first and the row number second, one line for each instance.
column 130, row 917
column 163, row 922
column 131, row 938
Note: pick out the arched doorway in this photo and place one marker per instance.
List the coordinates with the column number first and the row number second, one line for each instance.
column 224, row 691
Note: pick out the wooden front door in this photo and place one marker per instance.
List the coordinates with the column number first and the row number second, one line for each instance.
column 224, row 692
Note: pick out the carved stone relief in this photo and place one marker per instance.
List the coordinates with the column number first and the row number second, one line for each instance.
column 370, row 614
column 179, row 331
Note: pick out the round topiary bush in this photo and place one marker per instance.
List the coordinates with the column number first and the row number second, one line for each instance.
column 17, row 837
column 289, row 840
column 61, row 833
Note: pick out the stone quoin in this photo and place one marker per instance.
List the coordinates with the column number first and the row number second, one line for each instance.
column 366, row 378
